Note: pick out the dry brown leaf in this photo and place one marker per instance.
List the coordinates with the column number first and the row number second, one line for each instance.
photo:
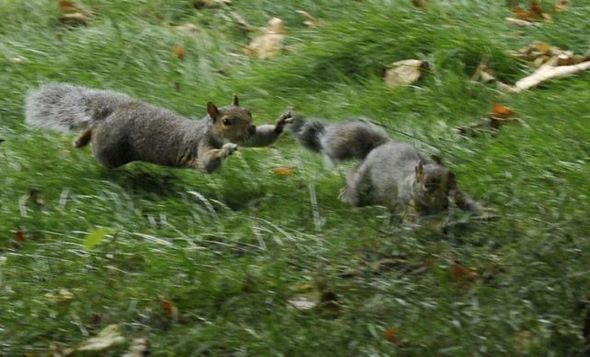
column 562, row 5
column 109, row 337
column 534, row 14
column 74, row 19
column 170, row 310
column 541, row 53
column 72, row 14
column 391, row 335
column 179, row 52
column 421, row 4
column 310, row 21
column 68, row 7
column 461, row 273
column 19, row 236
column 284, row 171
column 499, row 116
column 501, row 111
column 270, row 42
column 404, row 72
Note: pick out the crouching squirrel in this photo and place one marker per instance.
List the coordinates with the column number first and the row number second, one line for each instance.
column 391, row 174
column 123, row 129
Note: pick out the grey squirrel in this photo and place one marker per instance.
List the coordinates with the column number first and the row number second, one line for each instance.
column 123, row 129
column 391, row 173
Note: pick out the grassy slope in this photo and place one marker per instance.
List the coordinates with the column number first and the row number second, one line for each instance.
column 231, row 270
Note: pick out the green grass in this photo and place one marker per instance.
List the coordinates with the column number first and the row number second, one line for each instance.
column 230, row 249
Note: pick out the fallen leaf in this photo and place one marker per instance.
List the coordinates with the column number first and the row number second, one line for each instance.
column 538, row 11
column 483, row 73
column 421, row 4
column 68, row 7
column 109, row 337
column 501, row 111
column 270, row 42
column 404, row 72
column 562, row 5
column 310, row 21
column 95, row 237
column 20, row 236
column 302, row 303
column 179, row 52
column 283, row 171
column 210, row 4
column 461, row 273
column 74, row 19
column 18, row 60
column 188, row 27
column 391, row 335
column 62, row 295
column 170, row 310
column 140, row 347
column 534, row 13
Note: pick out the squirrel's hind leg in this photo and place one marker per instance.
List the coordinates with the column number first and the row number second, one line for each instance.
column 83, row 139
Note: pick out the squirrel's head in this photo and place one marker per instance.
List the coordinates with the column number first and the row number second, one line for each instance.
column 433, row 185
column 232, row 122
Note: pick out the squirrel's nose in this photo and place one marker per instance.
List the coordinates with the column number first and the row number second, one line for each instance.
column 252, row 130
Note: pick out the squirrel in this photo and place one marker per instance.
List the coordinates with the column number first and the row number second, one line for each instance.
column 392, row 174
column 123, row 129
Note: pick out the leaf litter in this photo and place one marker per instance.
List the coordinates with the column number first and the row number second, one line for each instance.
column 270, row 43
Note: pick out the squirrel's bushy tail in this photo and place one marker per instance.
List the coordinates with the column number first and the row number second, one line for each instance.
column 67, row 107
column 309, row 132
column 349, row 140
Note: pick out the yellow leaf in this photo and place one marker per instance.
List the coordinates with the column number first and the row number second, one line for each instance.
column 95, row 237
column 283, row 171
column 270, row 42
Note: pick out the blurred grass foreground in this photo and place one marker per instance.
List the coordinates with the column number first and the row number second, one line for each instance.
column 250, row 262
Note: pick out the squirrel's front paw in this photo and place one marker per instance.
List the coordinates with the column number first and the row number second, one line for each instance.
column 229, row 149
column 283, row 120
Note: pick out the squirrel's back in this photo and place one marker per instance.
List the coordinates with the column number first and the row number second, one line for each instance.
column 352, row 139
column 64, row 107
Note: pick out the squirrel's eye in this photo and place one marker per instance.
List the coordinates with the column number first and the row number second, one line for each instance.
column 226, row 122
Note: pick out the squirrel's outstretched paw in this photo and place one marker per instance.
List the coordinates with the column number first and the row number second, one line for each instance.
column 229, row 149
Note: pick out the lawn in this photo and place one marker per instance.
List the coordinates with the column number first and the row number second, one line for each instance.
column 208, row 264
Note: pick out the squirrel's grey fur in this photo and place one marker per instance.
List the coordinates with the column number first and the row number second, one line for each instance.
column 124, row 129
column 391, row 174
column 347, row 140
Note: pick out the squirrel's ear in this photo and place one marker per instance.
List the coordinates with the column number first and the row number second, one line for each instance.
column 420, row 171
column 437, row 159
column 235, row 101
column 212, row 111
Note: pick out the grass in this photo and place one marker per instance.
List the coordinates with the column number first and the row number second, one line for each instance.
column 230, row 249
